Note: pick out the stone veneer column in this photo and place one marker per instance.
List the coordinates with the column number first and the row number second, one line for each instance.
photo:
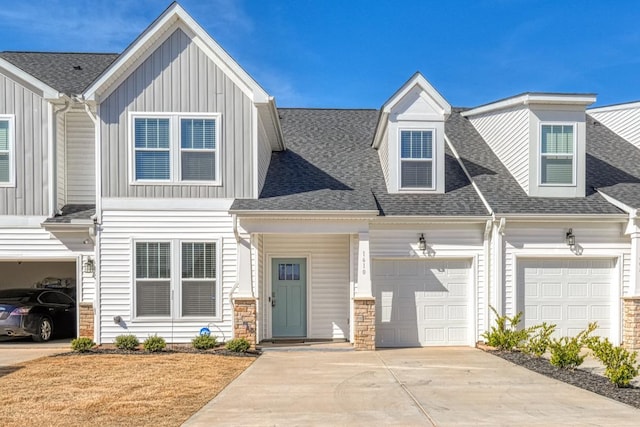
column 244, row 319
column 86, row 319
column 365, row 323
column 631, row 323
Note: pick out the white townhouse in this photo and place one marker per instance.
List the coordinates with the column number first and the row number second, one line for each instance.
column 167, row 184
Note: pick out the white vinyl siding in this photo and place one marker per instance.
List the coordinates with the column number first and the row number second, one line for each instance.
column 117, row 271
column 557, row 147
column 80, row 181
column 623, row 121
column 416, row 159
column 7, row 151
column 327, row 279
column 264, row 155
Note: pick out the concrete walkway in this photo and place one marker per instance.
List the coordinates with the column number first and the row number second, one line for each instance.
column 333, row 385
column 15, row 351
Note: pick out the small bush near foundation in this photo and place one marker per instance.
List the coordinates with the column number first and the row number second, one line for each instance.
column 154, row 344
column 620, row 364
column 238, row 345
column 204, row 342
column 82, row 344
column 565, row 351
column 539, row 340
column 506, row 335
column 126, row 342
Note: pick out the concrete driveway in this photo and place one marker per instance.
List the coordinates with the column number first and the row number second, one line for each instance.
column 333, row 385
column 14, row 351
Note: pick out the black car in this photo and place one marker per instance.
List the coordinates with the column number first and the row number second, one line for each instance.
column 39, row 313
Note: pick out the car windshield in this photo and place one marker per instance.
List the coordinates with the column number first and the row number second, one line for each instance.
column 17, row 295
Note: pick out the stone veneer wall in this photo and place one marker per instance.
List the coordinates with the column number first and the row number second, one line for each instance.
column 631, row 323
column 86, row 319
column 365, row 323
column 244, row 319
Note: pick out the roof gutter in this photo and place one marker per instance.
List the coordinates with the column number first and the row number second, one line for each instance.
column 303, row 214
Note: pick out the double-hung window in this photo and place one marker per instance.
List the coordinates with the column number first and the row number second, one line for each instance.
column 6, row 151
column 557, row 161
column 196, row 286
column 416, row 159
column 176, row 148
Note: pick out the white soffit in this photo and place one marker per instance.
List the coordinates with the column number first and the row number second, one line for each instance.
column 580, row 99
column 174, row 17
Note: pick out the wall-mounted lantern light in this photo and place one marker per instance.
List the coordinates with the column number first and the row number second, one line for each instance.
column 89, row 266
column 422, row 244
column 570, row 239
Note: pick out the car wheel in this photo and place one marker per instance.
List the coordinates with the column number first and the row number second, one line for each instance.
column 45, row 330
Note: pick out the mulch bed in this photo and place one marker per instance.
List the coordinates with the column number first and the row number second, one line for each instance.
column 578, row 377
column 218, row 351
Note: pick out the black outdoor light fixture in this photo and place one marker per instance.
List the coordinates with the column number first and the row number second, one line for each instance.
column 570, row 239
column 89, row 266
column 422, row 244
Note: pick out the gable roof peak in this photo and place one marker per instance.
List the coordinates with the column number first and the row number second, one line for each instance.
column 417, row 79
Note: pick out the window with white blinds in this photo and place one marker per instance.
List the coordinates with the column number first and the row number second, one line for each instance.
column 176, row 148
column 198, row 283
column 196, row 287
column 557, row 154
column 416, row 159
column 6, row 151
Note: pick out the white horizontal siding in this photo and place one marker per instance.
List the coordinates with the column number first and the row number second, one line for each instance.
column 87, row 292
column 507, row 133
column 61, row 178
column 116, row 287
column 328, row 281
column 27, row 242
column 624, row 122
column 383, row 154
column 80, row 159
column 264, row 154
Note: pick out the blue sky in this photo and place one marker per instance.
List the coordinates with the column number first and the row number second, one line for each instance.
column 356, row 53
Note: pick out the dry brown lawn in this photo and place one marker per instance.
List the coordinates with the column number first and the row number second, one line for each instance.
column 113, row 390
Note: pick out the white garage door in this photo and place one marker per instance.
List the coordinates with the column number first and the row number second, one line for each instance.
column 569, row 293
column 421, row 303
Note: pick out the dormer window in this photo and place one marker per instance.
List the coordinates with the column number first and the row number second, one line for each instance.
column 557, row 148
column 416, row 159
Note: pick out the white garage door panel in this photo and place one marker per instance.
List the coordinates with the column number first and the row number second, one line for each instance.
column 569, row 293
column 421, row 303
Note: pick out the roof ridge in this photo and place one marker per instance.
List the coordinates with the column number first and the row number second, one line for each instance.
column 59, row 53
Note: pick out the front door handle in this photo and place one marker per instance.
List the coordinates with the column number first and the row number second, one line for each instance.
column 273, row 302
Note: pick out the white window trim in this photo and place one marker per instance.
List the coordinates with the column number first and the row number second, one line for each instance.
column 12, row 150
column 175, row 149
column 175, row 283
column 433, row 160
column 573, row 155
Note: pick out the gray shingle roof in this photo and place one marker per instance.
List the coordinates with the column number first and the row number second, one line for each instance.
column 501, row 190
column 330, row 165
column 72, row 213
column 69, row 73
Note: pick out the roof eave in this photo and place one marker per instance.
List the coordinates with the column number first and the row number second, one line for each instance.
column 47, row 91
column 533, row 99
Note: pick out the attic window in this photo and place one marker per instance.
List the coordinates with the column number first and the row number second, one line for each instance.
column 557, row 148
column 416, row 159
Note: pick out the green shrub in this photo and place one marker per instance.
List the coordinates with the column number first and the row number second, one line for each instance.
column 506, row 335
column 204, row 342
column 154, row 344
column 565, row 352
column 238, row 345
column 539, row 339
column 620, row 364
column 82, row 344
column 127, row 342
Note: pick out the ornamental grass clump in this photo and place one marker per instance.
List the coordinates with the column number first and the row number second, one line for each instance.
column 620, row 364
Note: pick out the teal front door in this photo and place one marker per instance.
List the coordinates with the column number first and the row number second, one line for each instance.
column 289, row 297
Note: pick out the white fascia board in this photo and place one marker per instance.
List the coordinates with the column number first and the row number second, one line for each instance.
column 47, row 91
column 531, row 99
column 617, row 203
column 381, row 129
column 418, row 80
column 615, row 107
column 179, row 204
column 204, row 41
column 431, row 219
column 70, row 227
column 269, row 114
column 563, row 217
column 286, row 214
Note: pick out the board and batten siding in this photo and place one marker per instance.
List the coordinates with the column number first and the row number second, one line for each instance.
column 30, row 195
column 459, row 241
column 327, row 281
column 178, row 77
column 547, row 240
column 507, row 133
column 120, row 229
column 264, row 154
column 624, row 121
column 80, row 159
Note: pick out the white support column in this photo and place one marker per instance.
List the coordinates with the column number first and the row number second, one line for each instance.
column 497, row 260
column 244, row 268
column 364, row 267
column 634, row 277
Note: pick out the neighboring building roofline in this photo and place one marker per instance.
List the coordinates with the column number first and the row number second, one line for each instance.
column 615, row 107
column 530, row 98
